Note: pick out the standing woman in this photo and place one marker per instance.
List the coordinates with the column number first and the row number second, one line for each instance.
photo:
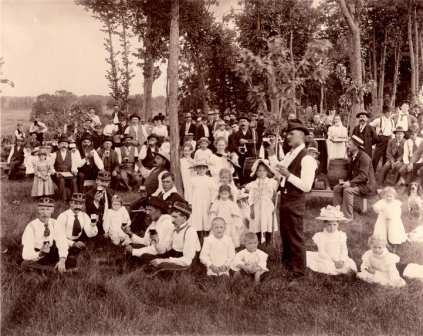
column 221, row 159
column 337, row 138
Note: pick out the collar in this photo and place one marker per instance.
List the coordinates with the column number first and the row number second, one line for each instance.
column 183, row 226
column 297, row 149
column 168, row 193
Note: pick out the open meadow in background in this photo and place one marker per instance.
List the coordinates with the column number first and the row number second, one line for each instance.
column 10, row 117
column 105, row 298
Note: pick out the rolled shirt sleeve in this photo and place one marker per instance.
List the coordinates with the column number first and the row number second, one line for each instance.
column 191, row 246
column 308, row 170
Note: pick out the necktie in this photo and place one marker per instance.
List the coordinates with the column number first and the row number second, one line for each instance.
column 46, row 230
column 76, row 229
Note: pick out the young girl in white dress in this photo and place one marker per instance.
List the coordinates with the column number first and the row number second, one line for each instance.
column 203, row 153
column 379, row 265
column 218, row 249
column 262, row 193
column 114, row 219
column 43, row 169
column 186, row 172
column 332, row 252
column 337, row 139
column 389, row 223
column 225, row 207
column 220, row 159
column 202, row 190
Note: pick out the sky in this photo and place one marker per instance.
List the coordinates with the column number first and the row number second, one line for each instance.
column 50, row 45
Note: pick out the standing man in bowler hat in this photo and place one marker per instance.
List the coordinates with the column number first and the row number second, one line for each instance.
column 365, row 132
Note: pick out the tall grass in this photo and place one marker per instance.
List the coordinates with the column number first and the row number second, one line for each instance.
column 106, row 298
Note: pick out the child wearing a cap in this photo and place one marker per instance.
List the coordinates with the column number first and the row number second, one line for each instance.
column 43, row 169
column 114, row 219
column 38, row 236
column 332, row 251
column 262, row 193
column 73, row 226
column 203, row 152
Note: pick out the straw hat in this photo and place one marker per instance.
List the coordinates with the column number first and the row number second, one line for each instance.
column 200, row 163
column 331, row 213
column 256, row 165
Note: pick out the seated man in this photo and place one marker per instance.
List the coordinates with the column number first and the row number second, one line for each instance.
column 110, row 158
column 38, row 239
column 410, row 147
column 147, row 154
column 162, row 163
column 362, row 178
column 72, row 227
column 128, row 169
column 15, row 160
column 417, row 163
column 66, row 168
column 158, row 236
column 185, row 243
column 394, row 155
column 90, row 163
column 98, row 199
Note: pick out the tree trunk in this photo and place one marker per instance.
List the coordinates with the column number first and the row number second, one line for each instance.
column 173, row 93
column 416, row 47
column 113, row 78
column 397, row 57
column 412, row 59
column 322, row 97
column 293, row 88
column 148, row 73
column 382, row 75
column 374, row 76
column 421, row 55
column 355, row 57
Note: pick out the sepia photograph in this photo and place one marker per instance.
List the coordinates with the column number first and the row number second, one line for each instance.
column 211, row 167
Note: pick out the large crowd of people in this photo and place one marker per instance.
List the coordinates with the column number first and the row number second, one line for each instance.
column 242, row 182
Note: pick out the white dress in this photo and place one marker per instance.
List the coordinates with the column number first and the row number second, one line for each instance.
column 416, row 235
column 112, row 225
column 386, row 272
column 261, row 192
column 187, row 174
column 202, row 191
column 337, row 150
column 389, row 223
column 247, row 258
column 217, row 252
column 331, row 246
column 160, row 131
column 217, row 163
column 203, row 155
column 229, row 211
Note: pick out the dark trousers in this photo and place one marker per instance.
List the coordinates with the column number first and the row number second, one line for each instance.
column 61, row 183
column 291, row 213
column 380, row 151
column 16, row 171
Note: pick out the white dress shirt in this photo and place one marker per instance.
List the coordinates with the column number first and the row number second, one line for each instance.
column 247, row 258
column 383, row 125
column 112, row 225
column 33, row 238
column 97, row 160
column 217, row 252
column 64, row 226
column 408, row 149
column 185, row 240
column 164, row 228
column 403, row 121
column 308, row 169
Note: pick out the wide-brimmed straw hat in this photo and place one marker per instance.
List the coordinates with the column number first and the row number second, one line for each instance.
column 200, row 163
column 331, row 213
column 257, row 163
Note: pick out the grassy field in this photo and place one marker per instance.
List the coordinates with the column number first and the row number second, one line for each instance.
column 104, row 298
column 9, row 119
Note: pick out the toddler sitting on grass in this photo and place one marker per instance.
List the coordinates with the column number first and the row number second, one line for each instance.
column 114, row 219
column 218, row 249
column 250, row 260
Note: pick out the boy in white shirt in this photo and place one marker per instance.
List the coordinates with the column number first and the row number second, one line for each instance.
column 114, row 219
column 251, row 260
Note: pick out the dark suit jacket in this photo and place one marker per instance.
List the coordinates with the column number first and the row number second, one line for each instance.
column 395, row 151
column 251, row 151
column 192, row 129
column 111, row 163
column 368, row 135
column 199, row 132
column 362, row 174
column 172, row 198
column 91, row 209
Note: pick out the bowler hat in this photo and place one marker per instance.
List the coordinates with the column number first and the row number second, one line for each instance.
column 63, row 138
column 362, row 113
column 295, row 124
column 399, row 129
column 155, row 136
column 108, row 138
column 86, row 136
column 104, row 175
column 245, row 117
column 46, row 202
column 134, row 116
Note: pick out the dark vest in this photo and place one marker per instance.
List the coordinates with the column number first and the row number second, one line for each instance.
column 18, row 155
column 61, row 165
column 295, row 169
column 148, row 161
